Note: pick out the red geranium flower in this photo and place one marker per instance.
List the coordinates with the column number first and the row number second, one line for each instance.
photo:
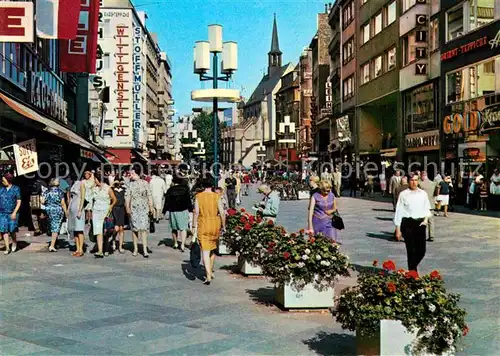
column 251, row 218
column 293, row 235
column 465, row 331
column 231, row 212
column 259, row 219
column 248, row 227
column 243, row 219
column 391, row 287
column 375, row 263
column 286, row 255
column 272, row 244
column 389, row 265
column 411, row 274
column 242, row 210
column 270, row 223
column 435, row 275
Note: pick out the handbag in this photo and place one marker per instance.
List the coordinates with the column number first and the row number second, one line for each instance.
column 195, row 254
column 109, row 224
column 337, row 221
column 152, row 227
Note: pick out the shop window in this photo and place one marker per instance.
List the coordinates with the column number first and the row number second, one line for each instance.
column 390, row 13
column 348, row 87
column 455, row 86
column 348, row 50
column 391, row 58
column 377, row 67
column 409, row 49
column 348, row 14
column 12, row 63
column 407, row 4
column 434, row 35
column 365, row 33
column 419, row 110
column 377, row 24
column 455, row 23
column 365, row 73
column 483, row 78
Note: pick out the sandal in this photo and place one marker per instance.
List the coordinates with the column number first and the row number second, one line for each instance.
column 98, row 255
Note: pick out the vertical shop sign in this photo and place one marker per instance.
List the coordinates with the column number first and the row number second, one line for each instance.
column 137, row 53
column 122, row 84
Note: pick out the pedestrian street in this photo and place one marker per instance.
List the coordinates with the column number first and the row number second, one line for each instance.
column 55, row 304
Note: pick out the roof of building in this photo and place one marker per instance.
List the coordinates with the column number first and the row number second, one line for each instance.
column 275, row 44
column 266, row 85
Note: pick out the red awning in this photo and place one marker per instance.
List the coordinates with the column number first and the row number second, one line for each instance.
column 119, row 156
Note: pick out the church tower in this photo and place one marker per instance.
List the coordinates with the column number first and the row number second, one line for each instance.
column 274, row 55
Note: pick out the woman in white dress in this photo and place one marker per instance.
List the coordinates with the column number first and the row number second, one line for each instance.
column 104, row 201
column 76, row 216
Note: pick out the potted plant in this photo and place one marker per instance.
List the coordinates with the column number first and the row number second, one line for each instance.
column 256, row 234
column 399, row 312
column 235, row 221
column 304, row 270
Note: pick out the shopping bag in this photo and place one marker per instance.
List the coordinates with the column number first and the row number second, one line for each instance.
column 195, row 254
column 64, row 228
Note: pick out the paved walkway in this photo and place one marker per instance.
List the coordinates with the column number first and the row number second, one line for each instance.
column 55, row 304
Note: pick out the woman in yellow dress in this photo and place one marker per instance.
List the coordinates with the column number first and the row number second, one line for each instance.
column 209, row 217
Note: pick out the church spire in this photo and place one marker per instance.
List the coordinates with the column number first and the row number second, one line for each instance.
column 274, row 55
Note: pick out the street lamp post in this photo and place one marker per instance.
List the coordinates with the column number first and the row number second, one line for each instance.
column 287, row 131
column 229, row 65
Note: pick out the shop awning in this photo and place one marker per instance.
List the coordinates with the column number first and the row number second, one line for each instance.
column 50, row 126
column 119, row 156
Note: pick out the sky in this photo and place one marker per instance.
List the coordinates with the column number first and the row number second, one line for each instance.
column 180, row 23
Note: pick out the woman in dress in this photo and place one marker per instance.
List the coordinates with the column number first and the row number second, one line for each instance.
column 76, row 215
column 119, row 214
column 321, row 208
column 139, row 205
column 55, row 206
column 104, row 201
column 10, row 202
column 207, row 221
column 383, row 182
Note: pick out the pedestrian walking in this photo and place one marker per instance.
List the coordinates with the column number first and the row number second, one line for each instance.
column 179, row 204
column 268, row 209
column 383, row 182
column 322, row 205
column 10, row 203
column 483, row 194
column 230, row 183
column 495, row 190
column 443, row 195
column 158, row 190
column 208, row 224
column 104, row 201
column 89, row 189
column 413, row 210
column 119, row 214
column 337, row 182
column 76, row 215
column 55, row 207
column 394, row 184
column 139, row 206
column 429, row 187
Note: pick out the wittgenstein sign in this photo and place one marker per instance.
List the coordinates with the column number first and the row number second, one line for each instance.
column 137, row 86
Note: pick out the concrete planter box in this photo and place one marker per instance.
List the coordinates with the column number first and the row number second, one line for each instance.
column 304, row 195
column 393, row 339
column 222, row 248
column 248, row 269
column 307, row 298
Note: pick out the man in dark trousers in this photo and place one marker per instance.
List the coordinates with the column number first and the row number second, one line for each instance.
column 412, row 215
column 231, row 190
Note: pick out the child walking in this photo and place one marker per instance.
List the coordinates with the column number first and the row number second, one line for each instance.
column 483, row 194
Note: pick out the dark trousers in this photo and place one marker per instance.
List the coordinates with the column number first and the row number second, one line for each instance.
column 414, row 236
column 231, row 198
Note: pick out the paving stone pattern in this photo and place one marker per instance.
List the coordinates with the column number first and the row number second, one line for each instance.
column 55, row 304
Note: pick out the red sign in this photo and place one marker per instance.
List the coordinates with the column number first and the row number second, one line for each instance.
column 464, row 48
column 79, row 55
column 16, row 21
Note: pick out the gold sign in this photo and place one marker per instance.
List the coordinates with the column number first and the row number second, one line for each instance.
column 466, row 122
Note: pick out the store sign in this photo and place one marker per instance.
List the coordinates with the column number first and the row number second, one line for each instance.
column 343, row 129
column 490, row 120
column 26, row 157
column 468, row 47
column 422, row 141
column 421, row 52
column 462, row 123
column 16, row 21
column 46, row 99
column 122, row 82
column 472, row 151
column 137, row 53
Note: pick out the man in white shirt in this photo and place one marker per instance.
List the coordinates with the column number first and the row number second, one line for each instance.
column 412, row 215
column 158, row 189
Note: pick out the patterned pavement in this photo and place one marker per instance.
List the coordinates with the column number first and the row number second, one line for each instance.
column 54, row 304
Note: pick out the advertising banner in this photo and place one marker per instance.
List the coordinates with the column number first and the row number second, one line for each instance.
column 26, row 157
column 57, row 18
column 16, row 21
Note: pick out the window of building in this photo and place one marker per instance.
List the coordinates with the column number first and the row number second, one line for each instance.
column 407, row 4
column 12, row 63
column 377, row 24
column 419, row 109
column 455, row 83
column 348, row 87
column 365, row 33
column 365, row 73
column 348, row 50
column 348, row 14
column 377, row 67
column 481, row 12
column 391, row 58
column 409, row 49
column 390, row 13
column 455, row 23
column 434, row 35
column 482, row 79
column 470, row 15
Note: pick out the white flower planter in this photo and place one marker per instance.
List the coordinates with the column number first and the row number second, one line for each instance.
column 222, row 248
column 248, row 269
column 308, row 298
column 393, row 339
column 303, row 195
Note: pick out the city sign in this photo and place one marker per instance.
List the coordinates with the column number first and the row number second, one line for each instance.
column 422, row 141
column 462, row 122
column 16, row 21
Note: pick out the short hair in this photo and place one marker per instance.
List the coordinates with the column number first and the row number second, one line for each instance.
column 207, row 182
column 263, row 188
column 54, row 182
column 314, row 179
column 324, row 186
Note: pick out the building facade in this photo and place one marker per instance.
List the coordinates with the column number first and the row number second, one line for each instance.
column 305, row 142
